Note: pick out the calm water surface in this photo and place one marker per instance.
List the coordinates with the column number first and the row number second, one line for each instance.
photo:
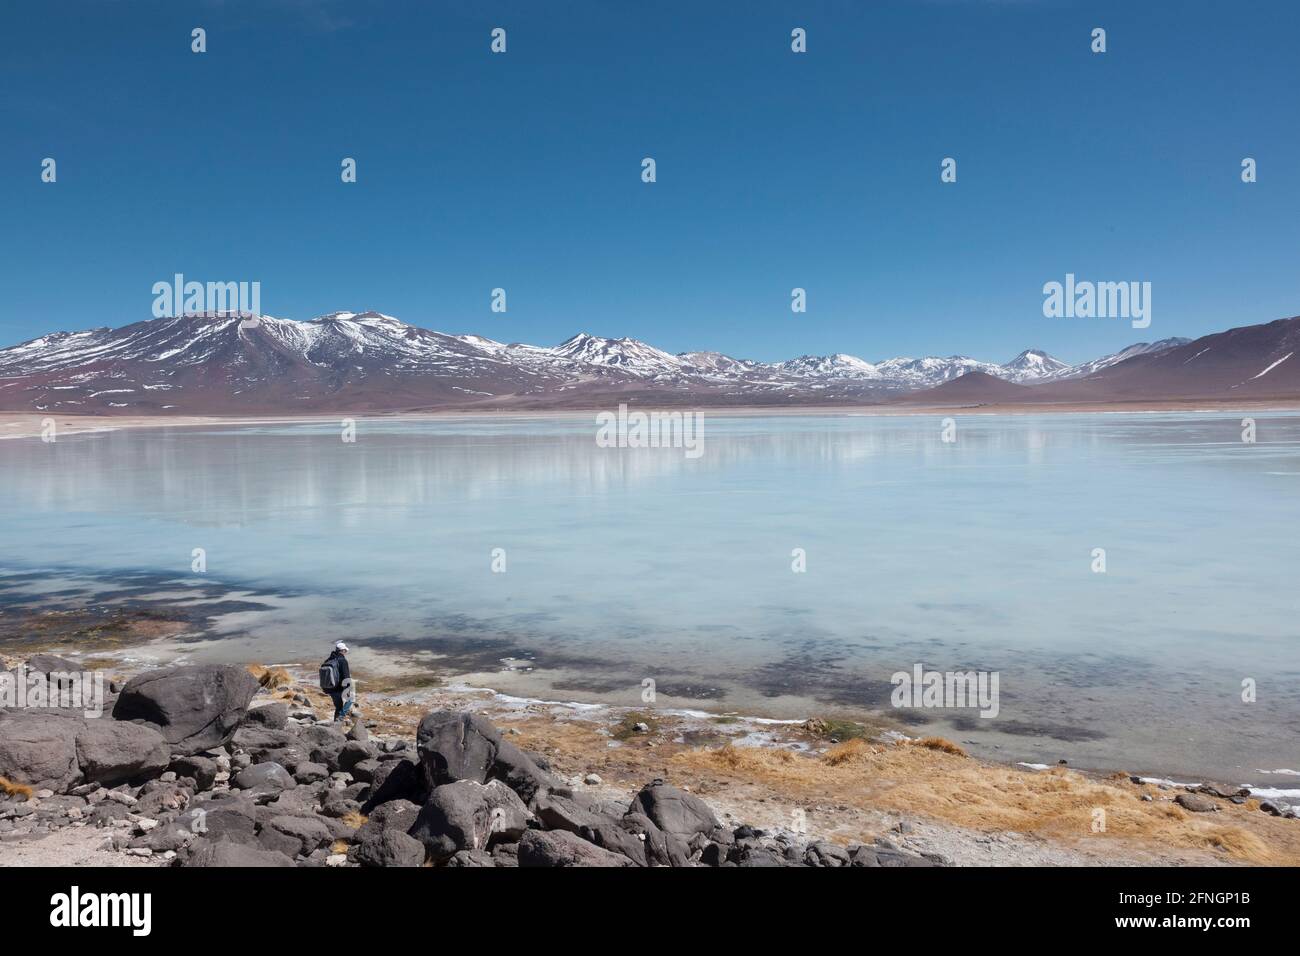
column 625, row 564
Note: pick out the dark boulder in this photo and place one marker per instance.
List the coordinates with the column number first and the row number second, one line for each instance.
column 111, row 752
column 394, row 815
column 661, row 849
column 39, row 749
column 203, row 770
column 455, row 747
column 204, row 853
column 561, row 848
column 593, row 824
column 463, row 746
column 472, row 858
column 265, row 778
column 274, row 715
column 310, row 833
column 674, row 811
column 197, row 707
column 396, row 780
column 308, row 772
column 390, row 848
column 351, row 754
column 822, row 853
column 467, row 816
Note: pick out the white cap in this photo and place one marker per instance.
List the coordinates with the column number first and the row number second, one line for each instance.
column 340, row 646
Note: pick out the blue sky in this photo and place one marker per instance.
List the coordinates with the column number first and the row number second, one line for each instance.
column 775, row 170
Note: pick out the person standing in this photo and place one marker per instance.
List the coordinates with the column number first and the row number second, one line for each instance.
column 336, row 680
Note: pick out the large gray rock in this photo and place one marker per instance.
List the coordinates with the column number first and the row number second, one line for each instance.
column 463, row 746
column 673, row 810
column 455, row 747
column 308, row 772
column 522, row 773
column 322, row 735
column 310, row 833
column 467, row 816
column 229, row 820
column 397, row 815
column 204, row 853
column 258, row 741
column 202, row 770
column 196, row 707
column 274, row 715
column 568, row 813
column 59, row 672
column 111, row 752
column 561, row 848
column 391, row 848
column 353, row 753
column 396, row 780
column 587, row 820
column 474, row 859
column 39, row 749
column 1196, row 803
column 873, row 856
column 660, row 848
column 264, row 777
column 823, row 853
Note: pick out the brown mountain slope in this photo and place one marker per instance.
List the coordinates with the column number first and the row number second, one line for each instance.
column 973, row 388
column 1252, row 362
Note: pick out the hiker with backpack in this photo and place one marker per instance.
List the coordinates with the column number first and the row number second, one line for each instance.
column 336, row 680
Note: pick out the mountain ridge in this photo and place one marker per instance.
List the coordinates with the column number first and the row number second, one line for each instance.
column 225, row 362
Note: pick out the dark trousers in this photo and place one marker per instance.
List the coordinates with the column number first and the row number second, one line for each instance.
column 341, row 707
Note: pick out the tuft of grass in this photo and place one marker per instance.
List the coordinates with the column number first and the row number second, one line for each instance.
column 339, row 846
column 9, row 788
column 270, row 676
column 834, row 728
column 625, row 729
column 354, row 818
column 940, row 744
column 847, row 751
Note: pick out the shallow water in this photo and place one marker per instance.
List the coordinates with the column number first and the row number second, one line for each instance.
column 630, row 564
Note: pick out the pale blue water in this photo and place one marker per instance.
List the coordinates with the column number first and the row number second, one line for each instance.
column 626, row 564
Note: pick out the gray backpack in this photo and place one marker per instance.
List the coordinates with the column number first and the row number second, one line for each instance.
column 329, row 675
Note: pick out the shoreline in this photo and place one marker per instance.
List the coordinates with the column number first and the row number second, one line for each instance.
column 140, row 631
column 924, row 794
column 17, row 424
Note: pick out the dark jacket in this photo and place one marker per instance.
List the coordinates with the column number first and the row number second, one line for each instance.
column 345, row 673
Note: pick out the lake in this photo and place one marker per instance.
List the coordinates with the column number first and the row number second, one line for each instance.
column 540, row 563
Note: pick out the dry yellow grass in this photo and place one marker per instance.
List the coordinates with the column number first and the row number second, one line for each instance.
column 354, row 818
column 924, row 780
column 270, row 676
column 1058, row 804
column 937, row 743
column 12, row 789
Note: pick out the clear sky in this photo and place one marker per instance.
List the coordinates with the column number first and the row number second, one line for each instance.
column 775, row 169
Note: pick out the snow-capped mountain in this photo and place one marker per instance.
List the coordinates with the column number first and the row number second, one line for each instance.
column 624, row 355
column 238, row 362
column 1106, row 361
column 1034, row 365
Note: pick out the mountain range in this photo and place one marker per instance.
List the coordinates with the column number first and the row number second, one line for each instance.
column 230, row 363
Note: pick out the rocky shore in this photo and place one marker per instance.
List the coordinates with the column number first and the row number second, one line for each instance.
column 205, row 765
column 196, row 766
